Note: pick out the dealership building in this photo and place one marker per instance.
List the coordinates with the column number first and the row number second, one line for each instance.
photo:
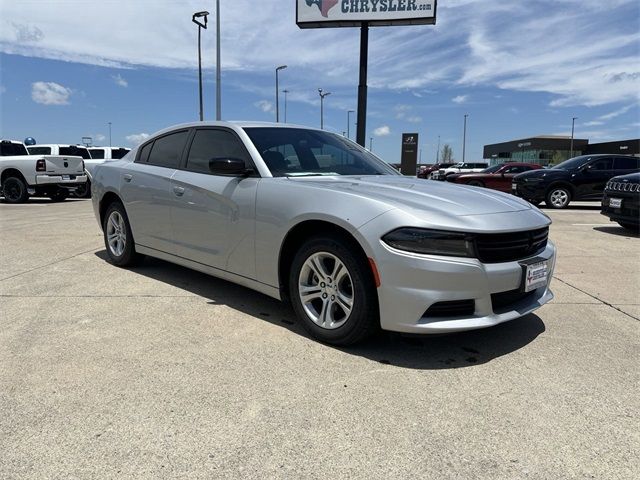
column 546, row 150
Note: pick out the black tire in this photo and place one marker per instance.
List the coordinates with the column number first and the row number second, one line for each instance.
column 364, row 318
column 15, row 190
column 128, row 257
column 630, row 226
column 558, row 197
column 476, row 183
column 83, row 191
column 60, row 195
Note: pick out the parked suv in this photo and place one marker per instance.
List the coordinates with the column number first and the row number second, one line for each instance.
column 580, row 178
column 621, row 201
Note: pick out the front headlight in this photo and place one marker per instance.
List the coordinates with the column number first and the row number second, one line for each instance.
column 431, row 242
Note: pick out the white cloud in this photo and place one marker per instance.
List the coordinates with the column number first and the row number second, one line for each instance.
column 121, row 82
column 265, row 105
column 404, row 112
column 137, row 138
column 3, row 89
column 500, row 44
column 98, row 137
column 460, row 99
column 382, row 131
column 603, row 119
column 50, row 93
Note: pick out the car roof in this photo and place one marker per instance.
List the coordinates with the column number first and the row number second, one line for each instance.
column 231, row 124
column 56, row 145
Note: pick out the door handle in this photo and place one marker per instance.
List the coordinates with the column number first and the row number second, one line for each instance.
column 179, row 191
column 127, row 177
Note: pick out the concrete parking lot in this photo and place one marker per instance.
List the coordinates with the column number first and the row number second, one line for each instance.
column 161, row 372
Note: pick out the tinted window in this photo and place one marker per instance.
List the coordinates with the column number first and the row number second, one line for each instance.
column 493, row 169
column 144, row 153
column 97, row 153
column 39, row 150
column 9, row 149
column 301, row 152
column 626, row 163
column 167, row 150
column 573, row 163
column 602, row 164
column 118, row 153
column 210, row 144
column 518, row 169
column 74, row 151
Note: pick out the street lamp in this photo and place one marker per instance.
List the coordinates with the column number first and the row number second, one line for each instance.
column 438, row 154
column 349, row 123
column 285, row 91
column 281, row 67
column 196, row 19
column 322, row 94
column 109, row 134
column 218, row 66
column 573, row 131
column 464, row 140
column 371, row 144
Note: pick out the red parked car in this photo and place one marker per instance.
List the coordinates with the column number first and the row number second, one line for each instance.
column 497, row 177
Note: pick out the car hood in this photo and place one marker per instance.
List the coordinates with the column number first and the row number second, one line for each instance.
column 410, row 193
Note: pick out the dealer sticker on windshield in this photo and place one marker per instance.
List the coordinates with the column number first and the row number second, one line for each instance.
column 536, row 276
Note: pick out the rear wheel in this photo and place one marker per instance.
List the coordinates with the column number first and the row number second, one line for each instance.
column 15, row 190
column 118, row 238
column 84, row 190
column 630, row 226
column 60, row 195
column 333, row 292
column 558, row 197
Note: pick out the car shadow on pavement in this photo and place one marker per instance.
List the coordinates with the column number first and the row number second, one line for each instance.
column 406, row 351
column 619, row 231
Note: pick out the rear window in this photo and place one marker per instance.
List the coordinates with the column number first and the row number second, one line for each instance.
column 97, row 153
column 167, row 150
column 39, row 150
column 74, row 151
column 9, row 149
column 118, row 153
column 626, row 163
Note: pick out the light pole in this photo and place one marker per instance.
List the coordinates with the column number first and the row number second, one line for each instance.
column 285, row 91
column 438, row 154
column 371, row 144
column 349, row 123
column 218, row 66
column 464, row 140
column 109, row 134
column 573, row 131
column 322, row 94
column 201, row 25
column 281, row 67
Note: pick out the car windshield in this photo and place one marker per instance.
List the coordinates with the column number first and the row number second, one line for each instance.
column 573, row 163
column 298, row 152
column 493, row 169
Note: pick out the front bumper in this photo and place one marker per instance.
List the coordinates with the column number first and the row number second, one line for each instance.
column 530, row 191
column 61, row 180
column 412, row 283
column 628, row 212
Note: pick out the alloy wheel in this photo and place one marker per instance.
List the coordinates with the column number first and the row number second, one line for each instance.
column 116, row 234
column 326, row 290
column 559, row 198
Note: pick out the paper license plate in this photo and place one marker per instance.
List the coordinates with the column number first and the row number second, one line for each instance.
column 536, row 276
column 615, row 202
column 514, row 187
column 66, row 177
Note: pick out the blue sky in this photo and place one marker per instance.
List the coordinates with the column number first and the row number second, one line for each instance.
column 517, row 68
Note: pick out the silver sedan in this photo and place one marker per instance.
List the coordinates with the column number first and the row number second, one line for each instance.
column 310, row 217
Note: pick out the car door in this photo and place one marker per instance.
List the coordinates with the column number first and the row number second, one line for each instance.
column 504, row 179
column 146, row 190
column 594, row 177
column 213, row 215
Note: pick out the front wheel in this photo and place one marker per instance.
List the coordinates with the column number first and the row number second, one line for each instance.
column 558, row 197
column 118, row 237
column 333, row 292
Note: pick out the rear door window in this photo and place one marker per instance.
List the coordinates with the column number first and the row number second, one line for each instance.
column 39, row 150
column 97, row 153
column 626, row 163
column 602, row 164
column 74, row 151
column 118, row 153
column 10, row 149
column 167, row 151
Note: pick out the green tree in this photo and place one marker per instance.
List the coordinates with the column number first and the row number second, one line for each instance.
column 447, row 154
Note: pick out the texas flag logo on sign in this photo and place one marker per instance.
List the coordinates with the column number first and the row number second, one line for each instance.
column 323, row 5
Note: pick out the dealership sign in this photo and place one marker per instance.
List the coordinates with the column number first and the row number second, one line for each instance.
column 352, row 13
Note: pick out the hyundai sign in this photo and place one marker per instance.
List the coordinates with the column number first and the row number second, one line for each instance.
column 352, row 13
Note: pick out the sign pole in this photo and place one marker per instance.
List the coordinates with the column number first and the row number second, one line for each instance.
column 362, row 87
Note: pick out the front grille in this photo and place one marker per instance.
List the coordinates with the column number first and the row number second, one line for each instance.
column 505, row 301
column 509, row 247
column 458, row 308
column 623, row 187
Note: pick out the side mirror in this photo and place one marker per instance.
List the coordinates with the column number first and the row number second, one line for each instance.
column 227, row 166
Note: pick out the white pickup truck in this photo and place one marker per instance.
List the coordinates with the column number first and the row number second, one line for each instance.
column 459, row 168
column 23, row 175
